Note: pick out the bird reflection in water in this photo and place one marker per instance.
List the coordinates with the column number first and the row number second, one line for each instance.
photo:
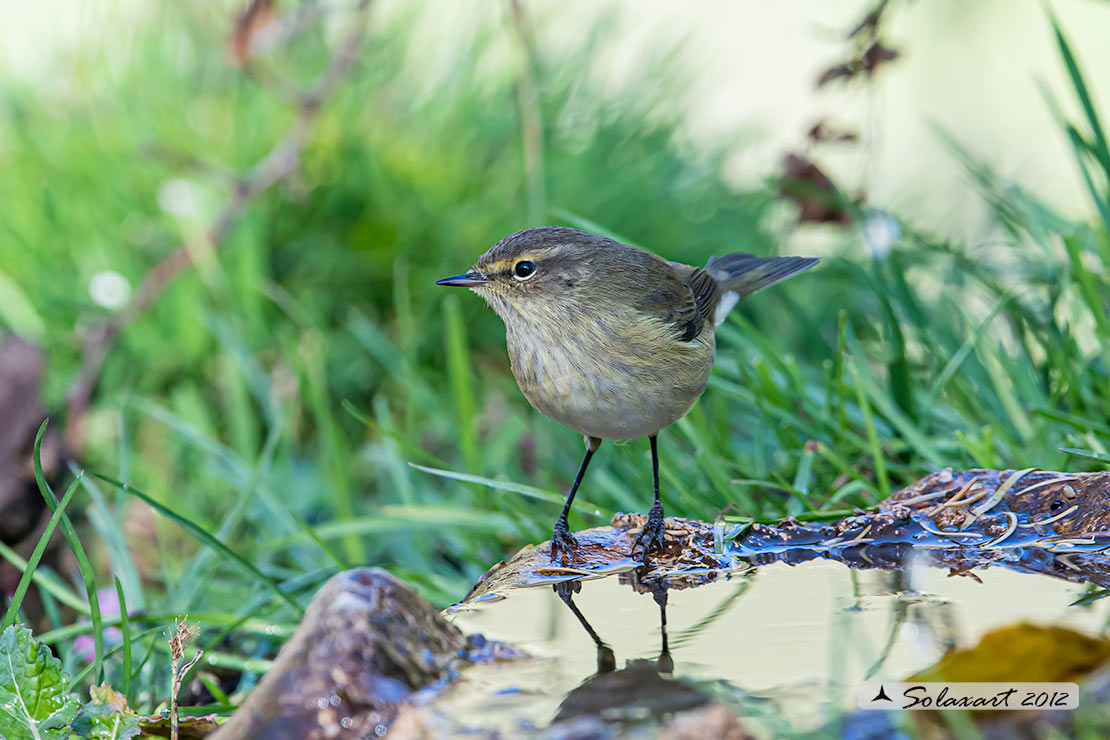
column 645, row 689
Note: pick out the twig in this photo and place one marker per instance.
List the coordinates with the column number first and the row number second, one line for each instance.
column 858, row 539
column 278, row 164
column 1012, row 525
column 995, row 498
column 942, row 533
column 1051, row 519
column 1049, row 482
column 572, row 571
column 964, row 502
column 180, row 637
column 250, row 42
column 923, row 497
column 959, row 495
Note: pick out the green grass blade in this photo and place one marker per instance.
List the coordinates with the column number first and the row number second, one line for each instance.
column 1089, row 454
column 33, row 562
column 234, row 516
column 407, row 445
column 253, row 625
column 802, row 480
column 111, row 533
column 901, row 387
column 501, row 485
column 83, row 564
column 585, row 224
column 333, row 440
column 401, row 518
column 1081, row 149
column 214, row 689
column 80, row 676
column 242, row 473
column 48, row 582
column 1101, row 150
column 1072, row 420
column 866, row 383
column 252, row 610
column 461, row 381
column 872, row 434
column 205, row 538
column 960, row 355
column 1091, row 597
column 125, row 629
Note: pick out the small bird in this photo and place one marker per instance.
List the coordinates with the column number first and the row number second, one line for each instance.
column 609, row 340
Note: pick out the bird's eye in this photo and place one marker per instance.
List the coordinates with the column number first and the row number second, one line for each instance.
column 524, row 269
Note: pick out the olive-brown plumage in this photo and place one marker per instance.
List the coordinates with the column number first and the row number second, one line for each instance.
column 609, row 340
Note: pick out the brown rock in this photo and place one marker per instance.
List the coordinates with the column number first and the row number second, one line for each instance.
column 366, row 643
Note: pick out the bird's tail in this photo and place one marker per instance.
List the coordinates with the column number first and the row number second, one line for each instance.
column 744, row 274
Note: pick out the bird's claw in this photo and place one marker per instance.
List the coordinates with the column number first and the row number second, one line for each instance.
column 654, row 534
column 562, row 542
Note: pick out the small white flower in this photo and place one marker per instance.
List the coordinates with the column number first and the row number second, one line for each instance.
column 109, row 289
column 881, row 231
column 180, row 197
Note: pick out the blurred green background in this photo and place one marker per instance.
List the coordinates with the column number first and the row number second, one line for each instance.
column 279, row 394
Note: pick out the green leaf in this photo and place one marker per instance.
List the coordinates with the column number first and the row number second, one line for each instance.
column 35, row 700
column 106, row 716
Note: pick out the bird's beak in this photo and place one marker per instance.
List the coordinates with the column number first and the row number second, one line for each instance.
column 469, row 280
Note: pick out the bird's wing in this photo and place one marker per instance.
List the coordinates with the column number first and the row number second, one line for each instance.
column 683, row 297
column 706, row 290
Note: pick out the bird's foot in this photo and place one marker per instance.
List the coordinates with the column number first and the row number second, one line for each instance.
column 562, row 541
column 654, row 534
column 567, row 589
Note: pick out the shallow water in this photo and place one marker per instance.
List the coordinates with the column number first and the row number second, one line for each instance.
column 785, row 645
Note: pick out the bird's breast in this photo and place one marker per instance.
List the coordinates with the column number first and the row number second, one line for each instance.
column 604, row 383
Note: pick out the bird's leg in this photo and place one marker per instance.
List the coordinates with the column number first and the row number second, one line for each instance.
column 653, row 535
column 659, row 593
column 561, row 539
column 606, row 660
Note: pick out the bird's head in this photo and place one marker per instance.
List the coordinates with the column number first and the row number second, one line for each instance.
column 535, row 270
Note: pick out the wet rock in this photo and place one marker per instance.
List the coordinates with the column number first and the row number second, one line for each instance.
column 366, row 644
column 603, row 550
column 1034, row 521
column 1052, row 503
